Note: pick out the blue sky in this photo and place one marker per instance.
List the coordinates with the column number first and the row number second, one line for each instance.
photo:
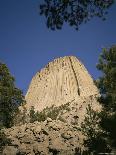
column 26, row 45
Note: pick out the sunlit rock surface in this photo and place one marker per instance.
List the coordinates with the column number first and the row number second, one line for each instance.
column 50, row 137
column 63, row 80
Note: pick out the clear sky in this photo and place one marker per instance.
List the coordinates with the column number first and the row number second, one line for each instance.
column 26, row 45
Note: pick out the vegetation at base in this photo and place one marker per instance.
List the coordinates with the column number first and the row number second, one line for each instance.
column 61, row 119
column 107, row 86
column 95, row 138
column 79, row 151
column 22, row 116
column 73, row 12
column 51, row 112
column 3, row 141
column 10, row 97
column 32, row 115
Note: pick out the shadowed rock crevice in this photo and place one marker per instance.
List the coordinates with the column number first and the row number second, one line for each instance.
column 78, row 90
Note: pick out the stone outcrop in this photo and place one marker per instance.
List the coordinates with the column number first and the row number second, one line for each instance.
column 61, row 81
column 50, row 137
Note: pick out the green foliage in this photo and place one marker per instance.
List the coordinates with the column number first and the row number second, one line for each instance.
column 3, row 141
column 73, row 12
column 41, row 116
column 51, row 112
column 94, row 136
column 107, row 83
column 107, row 87
column 22, row 116
column 79, row 151
column 32, row 115
column 61, row 119
column 10, row 97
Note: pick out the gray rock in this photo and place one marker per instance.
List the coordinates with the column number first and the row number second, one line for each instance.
column 10, row 150
column 49, row 119
column 67, row 135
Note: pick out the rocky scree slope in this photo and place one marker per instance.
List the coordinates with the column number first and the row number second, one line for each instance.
column 50, row 137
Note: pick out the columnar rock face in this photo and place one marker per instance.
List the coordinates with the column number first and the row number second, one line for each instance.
column 61, row 81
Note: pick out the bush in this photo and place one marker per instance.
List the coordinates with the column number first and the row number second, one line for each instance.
column 51, row 112
column 3, row 141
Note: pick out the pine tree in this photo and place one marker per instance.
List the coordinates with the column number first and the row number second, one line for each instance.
column 10, row 97
column 107, row 86
column 94, row 139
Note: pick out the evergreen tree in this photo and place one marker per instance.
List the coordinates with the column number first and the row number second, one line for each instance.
column 94, row 139
column 107, row 86
column 10, row 97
